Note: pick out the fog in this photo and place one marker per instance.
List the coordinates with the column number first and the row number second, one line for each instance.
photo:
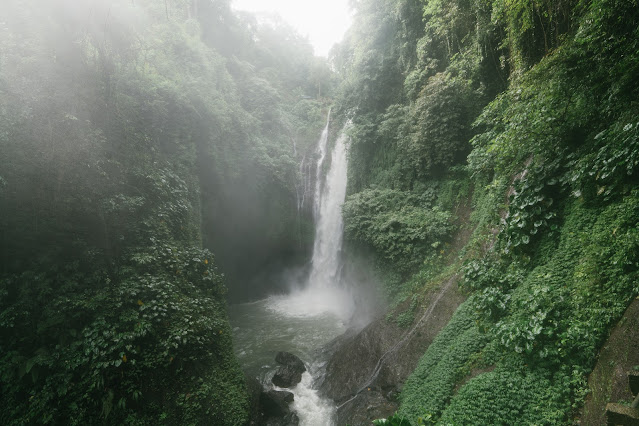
column 150, row 166
column 95, row 93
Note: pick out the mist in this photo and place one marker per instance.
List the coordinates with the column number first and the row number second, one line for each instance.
column 150, row 166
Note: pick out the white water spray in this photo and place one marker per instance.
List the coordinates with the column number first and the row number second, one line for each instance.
column 311, row 174
column 330, row 226
column 311, row 409
column 324, row 293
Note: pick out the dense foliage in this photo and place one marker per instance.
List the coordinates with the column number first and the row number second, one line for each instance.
column 140, row 137
column 540, row 97
column 402, row 227
column 133, row 137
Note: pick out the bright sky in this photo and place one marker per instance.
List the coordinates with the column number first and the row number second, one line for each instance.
column 323, row 21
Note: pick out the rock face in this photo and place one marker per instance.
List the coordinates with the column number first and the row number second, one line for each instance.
column 275, row 410
column 609, row 381
column 369, row 405
column 367, row 370
column 275, row 403
column 290, row 372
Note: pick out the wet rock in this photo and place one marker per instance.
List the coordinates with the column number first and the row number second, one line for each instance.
column 293, row 420
column 289, row 420
column 290, row 372
column 276, row 410
column 288, row 359
column 285, row 396
column 275, row 403
column 367, row 369
column 285, row 377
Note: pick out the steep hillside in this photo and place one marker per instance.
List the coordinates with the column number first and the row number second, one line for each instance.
column 531, row 108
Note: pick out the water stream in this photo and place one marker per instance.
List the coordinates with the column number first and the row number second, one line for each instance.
column 311, row 314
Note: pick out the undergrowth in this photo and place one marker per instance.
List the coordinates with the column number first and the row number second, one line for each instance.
column 538, row 325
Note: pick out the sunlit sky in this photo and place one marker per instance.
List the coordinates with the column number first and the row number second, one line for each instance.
column 323, row 21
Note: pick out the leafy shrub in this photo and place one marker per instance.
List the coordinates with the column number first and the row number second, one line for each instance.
column 396, row 224
column 610, row 166
column 440, row 128
column 151, row 342
column 530, row 209
column 564, row 306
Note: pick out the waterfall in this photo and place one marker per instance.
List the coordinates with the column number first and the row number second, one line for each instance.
column 322, row 302
column 311, row 173
column 323, row 292
column 321, row 148
column 329, row 224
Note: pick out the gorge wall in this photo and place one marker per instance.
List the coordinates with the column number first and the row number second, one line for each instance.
column 513, row 105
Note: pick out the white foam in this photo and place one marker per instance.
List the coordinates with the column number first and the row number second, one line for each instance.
column 311, row 409
column 313, row 302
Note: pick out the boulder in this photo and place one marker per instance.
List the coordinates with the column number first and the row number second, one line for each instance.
column 288, row 359
column 290, row 372
column 289, row 420
column 286, row 377
column 275, row 409
column 285, row 396
column 275, row 403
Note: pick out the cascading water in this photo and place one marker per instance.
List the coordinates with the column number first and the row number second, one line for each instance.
column 323, row 292
column 312, row 313
column 321, row 148
column 311, row 174
column 330, row 226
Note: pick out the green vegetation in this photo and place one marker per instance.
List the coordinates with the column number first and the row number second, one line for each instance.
column 400, row 226
column 141, row 138
column 430, row 386
column 540, row 97
column 133, row 136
